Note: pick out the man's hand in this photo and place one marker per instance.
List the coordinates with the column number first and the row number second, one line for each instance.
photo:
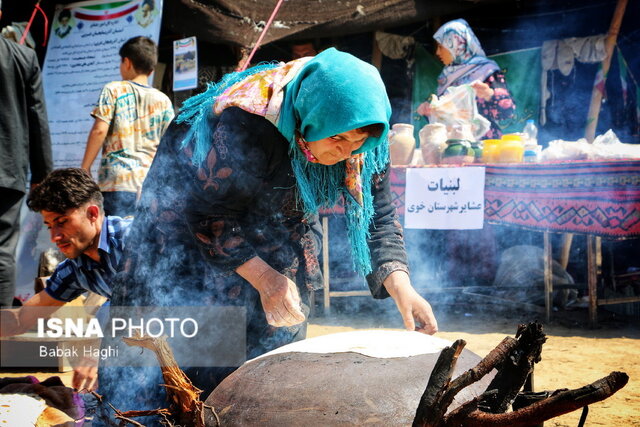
column 416, row 312
column 9, row 323
column 279, row 295
column 85, row 375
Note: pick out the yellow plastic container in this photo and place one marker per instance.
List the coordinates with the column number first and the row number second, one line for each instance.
column 512, row 137
column 490, row 150
column 511, row 149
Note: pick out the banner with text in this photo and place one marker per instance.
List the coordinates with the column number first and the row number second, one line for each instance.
column 445, row 198
column 82, row 57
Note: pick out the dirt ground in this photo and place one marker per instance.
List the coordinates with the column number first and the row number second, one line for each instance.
column 573, row 355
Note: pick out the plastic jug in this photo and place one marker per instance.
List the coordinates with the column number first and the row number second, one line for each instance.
column 490, row 150
column 511, row 149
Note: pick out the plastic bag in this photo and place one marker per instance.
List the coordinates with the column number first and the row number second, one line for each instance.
column 608, row 146
column 605, row 146
column 457, row 107
column 559, row 149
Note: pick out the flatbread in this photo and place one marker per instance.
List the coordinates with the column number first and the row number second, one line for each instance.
column 373, row 343
column 18, row 410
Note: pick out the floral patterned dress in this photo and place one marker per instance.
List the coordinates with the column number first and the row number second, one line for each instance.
column 499, row 108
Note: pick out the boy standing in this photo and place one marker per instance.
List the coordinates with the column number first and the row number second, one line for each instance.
column 130, row 119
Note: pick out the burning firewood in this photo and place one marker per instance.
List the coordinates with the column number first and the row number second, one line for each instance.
column 514, row 359
column 186, row 407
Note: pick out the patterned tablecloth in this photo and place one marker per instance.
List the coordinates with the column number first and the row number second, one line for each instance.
column 600, row 198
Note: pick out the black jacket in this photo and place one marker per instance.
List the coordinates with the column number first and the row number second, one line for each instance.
column 24, row 128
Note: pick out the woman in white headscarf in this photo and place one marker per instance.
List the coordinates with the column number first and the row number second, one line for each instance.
column 466, row 63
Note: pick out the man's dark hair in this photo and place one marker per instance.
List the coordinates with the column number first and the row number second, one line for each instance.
column 142, row 52
column 64, row 189
column 65, row 13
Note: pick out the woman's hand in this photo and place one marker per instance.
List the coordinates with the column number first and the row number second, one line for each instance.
column 483, row 90
column 424, row 109
column 278, row 294
column 416, row 311
column 280, row 300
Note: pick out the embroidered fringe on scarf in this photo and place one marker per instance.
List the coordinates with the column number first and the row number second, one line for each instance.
column 320, row 187
column 197, row 112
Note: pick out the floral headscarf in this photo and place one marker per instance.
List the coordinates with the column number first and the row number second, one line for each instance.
column 312, row 98
column 469, row 60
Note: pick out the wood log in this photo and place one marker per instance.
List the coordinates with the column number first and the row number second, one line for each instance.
column 560, row 402
column 514, row 358
column 430, row 410
column 514, row 369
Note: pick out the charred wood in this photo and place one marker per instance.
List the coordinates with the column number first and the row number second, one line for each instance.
column 431, row 409
column 560, row 402
column 514, row 359
column 515, row 368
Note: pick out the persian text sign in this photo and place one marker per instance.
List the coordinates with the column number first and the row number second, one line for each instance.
column 445, row 198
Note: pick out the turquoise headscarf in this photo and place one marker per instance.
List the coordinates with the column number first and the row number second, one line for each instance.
column 334, row 92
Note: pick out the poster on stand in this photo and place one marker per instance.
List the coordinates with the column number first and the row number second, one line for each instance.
column 185, row 64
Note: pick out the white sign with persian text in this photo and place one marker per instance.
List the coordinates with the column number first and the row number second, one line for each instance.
column 445, row 198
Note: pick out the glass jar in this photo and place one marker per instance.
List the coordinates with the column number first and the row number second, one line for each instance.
column 477, row 151
column 458, row 151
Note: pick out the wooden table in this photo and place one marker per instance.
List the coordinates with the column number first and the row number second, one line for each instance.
column 599, row 199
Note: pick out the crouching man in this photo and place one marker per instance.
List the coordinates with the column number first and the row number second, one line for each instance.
column 70, row 203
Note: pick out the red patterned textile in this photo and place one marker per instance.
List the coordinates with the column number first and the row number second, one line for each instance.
column 599, row 198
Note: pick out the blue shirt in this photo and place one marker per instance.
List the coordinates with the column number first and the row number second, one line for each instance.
column 73, row 277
